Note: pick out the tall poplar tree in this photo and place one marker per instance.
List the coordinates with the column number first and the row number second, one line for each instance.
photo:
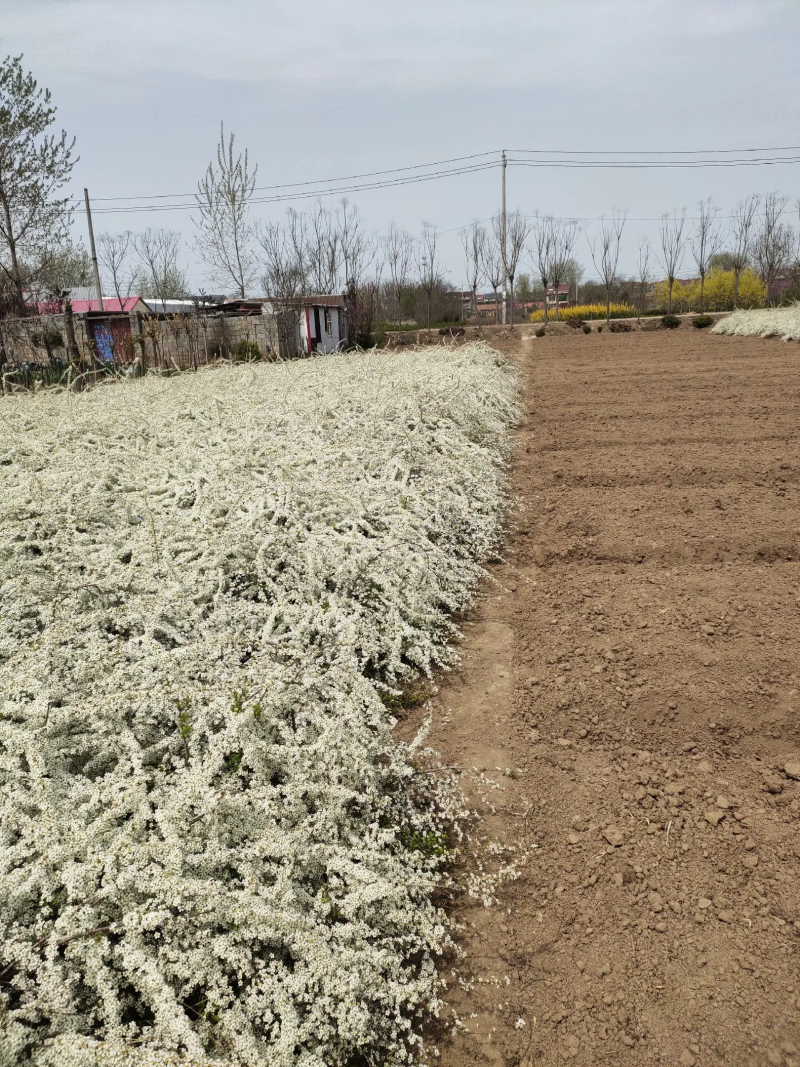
column 35, row 165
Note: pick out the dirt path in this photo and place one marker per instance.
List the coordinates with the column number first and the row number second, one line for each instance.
column 631, row 684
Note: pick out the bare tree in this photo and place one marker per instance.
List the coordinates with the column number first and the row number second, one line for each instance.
column 493, row 261
column 427, row 265
column 357, row 251
column 705, row 242
column 224, row 232
column 368, row 299
column 323, row 251
column 517, row 230
column 644, row 273
column 542, row 252
column 357, row 248
column 398, row 248
column 160, row 275
column 673, row 242
column 605, row 252
column 473, row 238
column 742, row 222
column 564, row 236
column 114, row 250
column 772, row 244
column 34, row 166
column 285, row 277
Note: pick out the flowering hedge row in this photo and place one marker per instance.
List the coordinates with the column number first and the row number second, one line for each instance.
column 211, row 845
column 768, row 322
column 719, row 292
column 579, row 312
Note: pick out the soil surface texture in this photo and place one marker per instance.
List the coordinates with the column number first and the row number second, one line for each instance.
column 629, row 697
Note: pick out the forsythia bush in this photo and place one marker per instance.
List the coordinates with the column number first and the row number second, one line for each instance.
column 718, row 294
column 582, row 311
column 771, row 322
column 210, row 843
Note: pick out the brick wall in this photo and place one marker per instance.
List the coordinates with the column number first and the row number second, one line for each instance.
column 178, row 343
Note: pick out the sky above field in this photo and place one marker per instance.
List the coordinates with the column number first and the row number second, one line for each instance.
column 318, row 90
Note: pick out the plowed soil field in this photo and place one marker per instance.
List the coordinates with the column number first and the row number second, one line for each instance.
column 631, row 684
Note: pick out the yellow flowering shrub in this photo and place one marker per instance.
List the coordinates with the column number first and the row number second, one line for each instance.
column 719, row 291
column 582, row 311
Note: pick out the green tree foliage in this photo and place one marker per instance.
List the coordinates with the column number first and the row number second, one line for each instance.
column 34, row 166
column 524, row 289
column 722, row 261
column 64, row 268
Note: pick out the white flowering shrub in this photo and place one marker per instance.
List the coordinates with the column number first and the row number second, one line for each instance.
column 764, row 322
column 211, row 846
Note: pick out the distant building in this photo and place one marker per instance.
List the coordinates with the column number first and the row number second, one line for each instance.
column 84, row 299
column 560, row 297
column 785, row 282
column 320, row 322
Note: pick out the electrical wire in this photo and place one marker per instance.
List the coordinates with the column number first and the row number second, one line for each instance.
column 650, row 164
column 650, row 151
column 319, row 181
column 309, row 195
column 489, row 160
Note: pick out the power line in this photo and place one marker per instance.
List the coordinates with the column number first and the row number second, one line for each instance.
column 474, row 155
column 312, row 189
column 651, row 151
column 319, row 181
column 312, row 194
column 689, row 164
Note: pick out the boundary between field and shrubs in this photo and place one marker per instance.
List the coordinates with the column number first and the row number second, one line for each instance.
column 469, row 333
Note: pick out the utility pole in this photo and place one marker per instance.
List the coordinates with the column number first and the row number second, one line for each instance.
column 503, row 238
column 98, row 290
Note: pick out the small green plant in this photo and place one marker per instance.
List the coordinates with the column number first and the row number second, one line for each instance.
column 47, row 338
column 670, row 322
column 233, row 762
column 702, row 322
column 599, row 329
column 427, row 842
column 406, row 698
column 238, row 703
column 540, row 332
column 587, row 328
column 247, row 351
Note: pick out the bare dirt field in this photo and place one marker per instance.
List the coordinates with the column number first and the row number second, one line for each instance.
column 631, row 683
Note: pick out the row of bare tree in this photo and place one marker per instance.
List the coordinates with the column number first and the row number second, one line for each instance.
column 757, row 235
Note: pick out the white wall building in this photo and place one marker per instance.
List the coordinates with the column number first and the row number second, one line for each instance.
column 321, row 324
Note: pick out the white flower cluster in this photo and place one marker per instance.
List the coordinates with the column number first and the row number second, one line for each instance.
column 211, row 846
column 764, row 322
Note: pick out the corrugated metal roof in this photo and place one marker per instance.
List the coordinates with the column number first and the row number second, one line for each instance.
column 110, row 303
column 319, row 301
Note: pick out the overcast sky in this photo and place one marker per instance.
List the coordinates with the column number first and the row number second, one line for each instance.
column 317, row 89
